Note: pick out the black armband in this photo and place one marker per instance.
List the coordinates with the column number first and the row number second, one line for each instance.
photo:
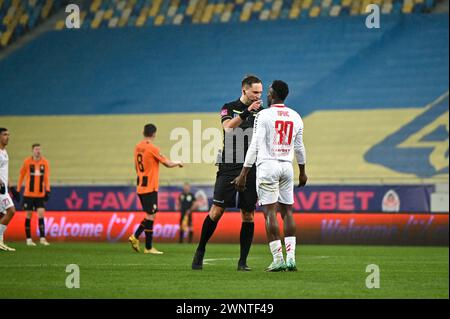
column 245, row 114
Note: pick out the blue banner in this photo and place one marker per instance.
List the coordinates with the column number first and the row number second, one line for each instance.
column 354, row 198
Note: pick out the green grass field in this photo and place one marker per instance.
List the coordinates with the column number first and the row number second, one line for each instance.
column 114, row 271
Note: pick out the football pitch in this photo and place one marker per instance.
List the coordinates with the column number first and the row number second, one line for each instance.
column 115, row 271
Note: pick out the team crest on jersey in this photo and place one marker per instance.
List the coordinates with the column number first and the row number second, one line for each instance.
column 224, row 112
column 391, row 202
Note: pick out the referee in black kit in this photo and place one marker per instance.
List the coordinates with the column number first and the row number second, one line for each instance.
column 239, row 114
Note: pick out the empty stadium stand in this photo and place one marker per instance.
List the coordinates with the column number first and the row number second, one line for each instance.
column 20, row 16
column 140, row 13
column 374, row 102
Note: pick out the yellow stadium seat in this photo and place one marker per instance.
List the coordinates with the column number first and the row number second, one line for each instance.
column 335, row 10
column 264, row 15
column 155, row 8
column 190, row 10
column 207, row 14
column 172, row 11
column 46, row 9
column 245, row 15
column 124, row 17
column 294, row 13
column 306, row 4
column 159, row 20
column 314, row 12
column 97, row 20
column 257, row 6
column 407, row 8
column 60, row 25
column 178, row 19
column 240, row 1
column 7, row 20
column 201, row 5
column 220, row 7
column 386, row 8
column 130, row 4
column 141, row 20
column 326, row 3
column 274, row 14
column 113, row 22
column 95, row 5
column 225, row 17
column 108, row 14
column 5, row 37
column 346, row 3
column 24, row 19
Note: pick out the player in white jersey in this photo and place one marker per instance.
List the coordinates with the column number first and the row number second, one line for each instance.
column 6, row 203
column 277, row 135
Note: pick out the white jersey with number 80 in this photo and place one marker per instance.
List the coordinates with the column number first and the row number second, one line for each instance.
column 277, row 134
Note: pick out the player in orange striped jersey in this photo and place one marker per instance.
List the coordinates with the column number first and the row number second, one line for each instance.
column 36, row 173
column 147, row 157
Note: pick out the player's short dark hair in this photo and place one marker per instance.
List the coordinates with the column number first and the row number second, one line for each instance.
column 281, row 89
column 2, row 129
column 250, row 79
column 35, row 145
column 149, row 130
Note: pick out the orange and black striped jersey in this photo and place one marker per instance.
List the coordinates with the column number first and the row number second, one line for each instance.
column 146, row 160
column 37, row 177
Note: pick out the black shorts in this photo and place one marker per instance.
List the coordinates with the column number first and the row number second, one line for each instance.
column 183, row 214
column 33, row 203
column 225, row 192
column 149, row 202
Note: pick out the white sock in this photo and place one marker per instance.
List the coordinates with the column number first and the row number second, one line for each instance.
column 290, row 247
column 277, row 250
column 2, row 230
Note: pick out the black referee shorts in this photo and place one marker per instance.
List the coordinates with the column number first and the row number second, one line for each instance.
column 225, row 192
column 149, row 202
column 183, row 215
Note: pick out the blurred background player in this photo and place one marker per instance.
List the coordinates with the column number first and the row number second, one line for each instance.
column 278, row 131
column 147, row 157
column 6, row 203
column 36, row 173
column 187, row 203
column 236, row 114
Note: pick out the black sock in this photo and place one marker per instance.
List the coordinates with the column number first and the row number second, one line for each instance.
column 181, row 236
column 140, row 229
column 42, row 227
column 28, row 228
column 191, row 234
column 148, row 234
column 246, row 238
column 208, row 228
